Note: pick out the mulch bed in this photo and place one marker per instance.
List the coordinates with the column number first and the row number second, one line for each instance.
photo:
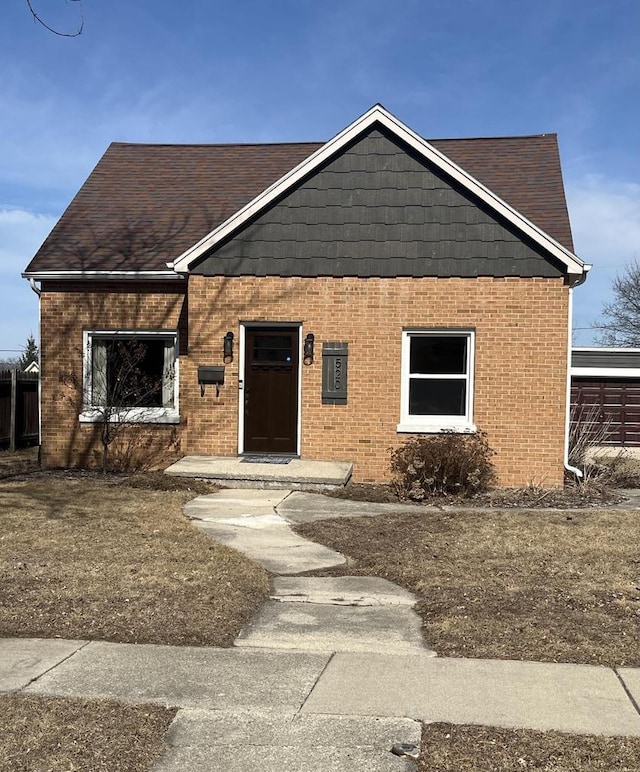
column 570, row 496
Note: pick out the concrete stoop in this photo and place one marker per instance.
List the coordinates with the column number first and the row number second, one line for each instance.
column 243, row 472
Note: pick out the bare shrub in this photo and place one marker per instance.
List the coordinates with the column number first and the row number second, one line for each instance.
column 443, row 464
column 590, row 428
column 140, row 449
column 616, row 470
column 118, row 393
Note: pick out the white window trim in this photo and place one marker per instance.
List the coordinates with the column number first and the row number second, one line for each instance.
column 156, row 415
column 436, row 424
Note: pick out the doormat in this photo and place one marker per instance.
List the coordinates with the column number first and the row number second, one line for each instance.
column 265, row 460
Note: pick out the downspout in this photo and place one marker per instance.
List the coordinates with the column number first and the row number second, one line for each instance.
column 32, row 284
column 567, row 423
column 38, row 291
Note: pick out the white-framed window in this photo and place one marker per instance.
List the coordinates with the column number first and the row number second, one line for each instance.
column 130, row 375
column 437, row 381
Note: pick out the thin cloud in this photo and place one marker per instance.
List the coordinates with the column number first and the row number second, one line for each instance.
column 21, row 233
column 605, row 218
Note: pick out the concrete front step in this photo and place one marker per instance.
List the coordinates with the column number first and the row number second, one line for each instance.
column 296, row 474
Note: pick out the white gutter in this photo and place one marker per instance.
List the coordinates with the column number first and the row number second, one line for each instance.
column 33, row 287
column 105, row 275
column 601, row 349
column 567, row 423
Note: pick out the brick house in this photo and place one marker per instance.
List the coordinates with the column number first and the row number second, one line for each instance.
column 322, row 300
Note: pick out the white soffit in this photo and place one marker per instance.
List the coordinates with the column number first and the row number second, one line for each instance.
column 378, row 114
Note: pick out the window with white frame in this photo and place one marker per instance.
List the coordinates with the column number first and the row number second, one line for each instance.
column 437, row 380
column 130, row 375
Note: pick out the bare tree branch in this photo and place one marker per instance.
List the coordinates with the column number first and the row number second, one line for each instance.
column 38, row 19
column 621, row 322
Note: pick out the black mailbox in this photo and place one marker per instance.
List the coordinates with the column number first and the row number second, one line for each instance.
column 210, row 374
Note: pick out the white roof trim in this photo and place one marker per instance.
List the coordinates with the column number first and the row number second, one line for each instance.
column 119, row 275
column 378, row 114
column 602, row 349
column 606, row 372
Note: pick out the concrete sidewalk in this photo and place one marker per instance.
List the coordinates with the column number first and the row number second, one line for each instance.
column 572, row 698
column 248, row 520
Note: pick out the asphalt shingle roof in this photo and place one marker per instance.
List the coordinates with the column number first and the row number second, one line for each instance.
column 143, row 205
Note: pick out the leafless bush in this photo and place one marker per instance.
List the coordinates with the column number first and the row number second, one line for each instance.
column 442, row 464
column 590, row 428
column 140, row 449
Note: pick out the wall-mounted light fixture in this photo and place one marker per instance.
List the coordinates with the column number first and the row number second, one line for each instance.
column 308, row 349
column 227, row 348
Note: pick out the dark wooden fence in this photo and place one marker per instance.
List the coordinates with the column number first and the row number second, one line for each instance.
column 19, row 420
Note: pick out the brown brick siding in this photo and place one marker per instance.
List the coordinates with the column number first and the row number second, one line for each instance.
column 66, row 310
column 520, row 361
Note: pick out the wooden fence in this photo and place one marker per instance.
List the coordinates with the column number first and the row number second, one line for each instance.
column 19, row 419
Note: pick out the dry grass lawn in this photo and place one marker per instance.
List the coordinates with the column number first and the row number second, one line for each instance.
column 85, row 557
column 93, row 558
column 537, row 585
column 51, row 734
column 449, row 748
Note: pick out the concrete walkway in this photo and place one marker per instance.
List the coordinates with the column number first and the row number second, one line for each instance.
column 248, row 521
column 330, row 673
column 307, row 613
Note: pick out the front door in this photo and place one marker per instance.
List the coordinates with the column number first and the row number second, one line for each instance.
column 271, row 390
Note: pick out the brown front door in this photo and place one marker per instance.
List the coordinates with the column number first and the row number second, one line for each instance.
column 271, row 390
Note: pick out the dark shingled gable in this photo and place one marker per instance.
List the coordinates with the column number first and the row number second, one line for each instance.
column 143, row 205
column 377, row 209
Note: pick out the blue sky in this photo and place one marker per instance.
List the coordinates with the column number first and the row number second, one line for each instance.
column 202, row 71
